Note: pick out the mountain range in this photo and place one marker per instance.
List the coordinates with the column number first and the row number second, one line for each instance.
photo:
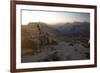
column 38, row 34
column 74, row 29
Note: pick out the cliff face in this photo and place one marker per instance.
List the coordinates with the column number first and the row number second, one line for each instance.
column 37, row 35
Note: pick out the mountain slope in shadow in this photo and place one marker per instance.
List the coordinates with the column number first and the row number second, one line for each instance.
column 74, row 29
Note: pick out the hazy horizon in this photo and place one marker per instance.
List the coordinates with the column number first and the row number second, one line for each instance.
column 51, row 17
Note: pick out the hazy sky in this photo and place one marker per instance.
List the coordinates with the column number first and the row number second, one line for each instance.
column 51, row 17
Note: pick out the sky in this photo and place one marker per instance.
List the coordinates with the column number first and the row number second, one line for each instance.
column 51, row 17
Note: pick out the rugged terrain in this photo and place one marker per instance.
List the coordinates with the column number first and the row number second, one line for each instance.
column 43, row 42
